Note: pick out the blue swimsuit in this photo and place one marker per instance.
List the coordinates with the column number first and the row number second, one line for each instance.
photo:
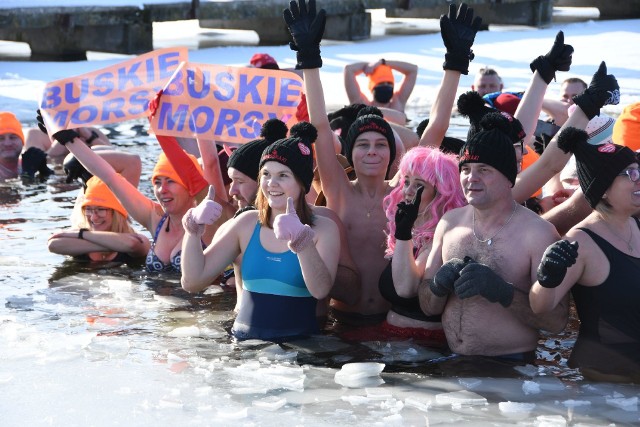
column 276, row 303
column 153, row 263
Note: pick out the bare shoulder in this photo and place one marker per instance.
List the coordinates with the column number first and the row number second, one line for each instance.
column 455, row 216
column 325, row 224
column 534, row 226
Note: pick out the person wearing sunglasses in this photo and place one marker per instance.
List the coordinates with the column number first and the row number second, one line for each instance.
column 599, row 262
column 103, row 232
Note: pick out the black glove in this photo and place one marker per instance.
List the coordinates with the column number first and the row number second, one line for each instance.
column 447, row 274
column 63, row 136
column 541, row 143
column 479, row 279
column 557, row 59
column 406, row 215
column 306, row 28
column 74, row 170
column 603, row 90
column 35, row 160
column 458, row 32
column 556, row 259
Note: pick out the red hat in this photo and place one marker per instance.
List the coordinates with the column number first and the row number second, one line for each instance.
column 263, row 60
column 507, row 102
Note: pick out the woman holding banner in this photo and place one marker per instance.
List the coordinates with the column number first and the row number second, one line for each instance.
column 289, row 253
column 163, row 217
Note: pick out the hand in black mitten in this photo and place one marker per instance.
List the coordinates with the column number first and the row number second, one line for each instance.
column 406, row 215
column 458, row 33
column 556, row 259
column 306, row 28
column 63, row 136
column 603, row 90
column 74, row 170
column 557, row 59
column 35, row 160
column 479, row 279
column 541, row 143
column 442, row 283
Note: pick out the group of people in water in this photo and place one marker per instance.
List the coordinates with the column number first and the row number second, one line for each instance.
column 352, row 217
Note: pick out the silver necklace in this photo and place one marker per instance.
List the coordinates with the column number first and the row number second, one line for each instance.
column 489, row 241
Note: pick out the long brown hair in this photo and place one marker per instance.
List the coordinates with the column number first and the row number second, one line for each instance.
column 302, row 208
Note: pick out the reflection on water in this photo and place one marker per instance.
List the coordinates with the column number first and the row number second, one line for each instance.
column 107, row 344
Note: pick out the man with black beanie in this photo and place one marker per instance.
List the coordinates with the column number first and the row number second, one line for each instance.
column 480, row 269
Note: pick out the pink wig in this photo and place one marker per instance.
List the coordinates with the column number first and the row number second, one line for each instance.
column 441, row 171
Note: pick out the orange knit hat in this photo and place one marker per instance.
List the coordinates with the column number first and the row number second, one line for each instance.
column 98, row 194
column 10, row 124
column 163, row 168
column 382, row 74
column 626, row 131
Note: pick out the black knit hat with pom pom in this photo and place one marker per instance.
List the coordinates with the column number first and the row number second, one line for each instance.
column 472, row 105
column 492, row 146
column 370, row 119
column 246, row 158
column 295, row 152
column 597, row 165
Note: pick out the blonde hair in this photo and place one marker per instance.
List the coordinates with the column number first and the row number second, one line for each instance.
column 119, row 224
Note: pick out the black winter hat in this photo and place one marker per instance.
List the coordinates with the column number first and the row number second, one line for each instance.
column 492, row 146
column 295, row 152
column 369, row 123
column 597, row 165
column 472, row 105
column 246, row 157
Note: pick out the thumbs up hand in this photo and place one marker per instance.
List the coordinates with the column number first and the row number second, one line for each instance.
column 206, row 213
column 287, row 226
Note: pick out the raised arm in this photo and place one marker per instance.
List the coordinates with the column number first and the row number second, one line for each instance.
column 603, row 90
column 544, row 69
column 458, row 30
column 410, row 75
column 351, row 85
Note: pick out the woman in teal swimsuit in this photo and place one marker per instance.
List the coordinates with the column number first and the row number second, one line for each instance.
column 289, row 254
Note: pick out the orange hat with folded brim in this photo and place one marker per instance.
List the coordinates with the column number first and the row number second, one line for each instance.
column 10, row 124
column 99, row 194
column 164, row 168
column 382, row 74
column 627, row 127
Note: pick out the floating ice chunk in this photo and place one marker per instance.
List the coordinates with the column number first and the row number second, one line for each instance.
column 530, row 387
column 233, row 413
column 469, row 383
column 271, row 403
column 184, row 332
column 515, row 407
column 626, row 404
column 528, row 370
column 378, row 393
column 356, row 399
column 418, row 404
column 570, row 403
column 253, row 376
column 357, row 375
column 550, row 421
column 213, row 290
column 460, row 398
column 395, row 418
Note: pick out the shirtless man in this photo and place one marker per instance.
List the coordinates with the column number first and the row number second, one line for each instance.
column 385, row 95
column 487, row 80
column 484, row 256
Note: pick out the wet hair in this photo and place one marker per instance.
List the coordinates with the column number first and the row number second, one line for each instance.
column 441, row 171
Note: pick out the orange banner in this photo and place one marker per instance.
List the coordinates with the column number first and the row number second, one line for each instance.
column 226, row 104
column 113, row 94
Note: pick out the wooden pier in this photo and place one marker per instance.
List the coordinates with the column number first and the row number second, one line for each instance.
column 66, row 33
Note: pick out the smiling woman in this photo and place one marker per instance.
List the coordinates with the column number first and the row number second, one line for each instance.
column 103, row 232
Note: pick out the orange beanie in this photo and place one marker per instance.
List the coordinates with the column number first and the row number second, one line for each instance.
column 382, row 74
column 98, row 194
column 626, row 131
column 10, row 124
column 163, row 168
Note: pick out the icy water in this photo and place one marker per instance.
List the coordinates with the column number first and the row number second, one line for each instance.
column 110, row 345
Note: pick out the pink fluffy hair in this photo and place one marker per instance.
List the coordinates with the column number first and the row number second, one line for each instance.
column 441, row 171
